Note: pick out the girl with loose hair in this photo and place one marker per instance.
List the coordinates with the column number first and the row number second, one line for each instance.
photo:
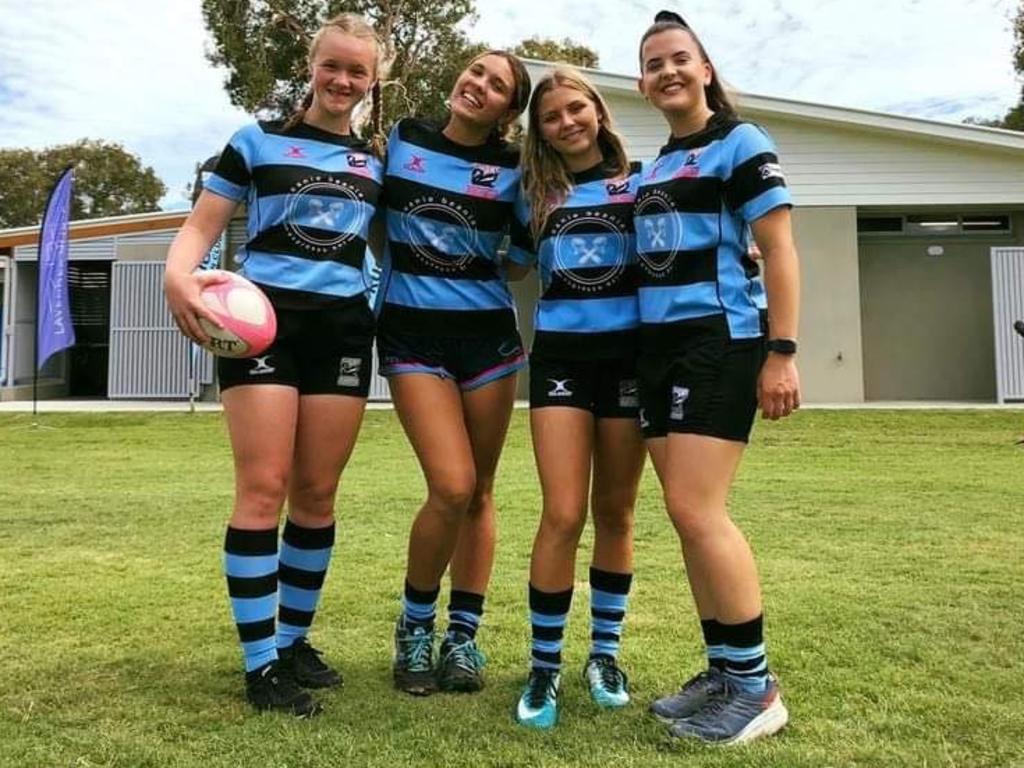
column 718, row 341
column 577, row 215
column 449, row 345
column 311, row 187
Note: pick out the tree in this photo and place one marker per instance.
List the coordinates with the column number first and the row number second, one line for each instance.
column 109, row 181
column 1014, row 118
column 553, row 50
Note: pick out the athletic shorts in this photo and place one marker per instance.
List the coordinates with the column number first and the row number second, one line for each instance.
column 469, row 362
column 707, row 387
column 606, row 388
column 318, row 351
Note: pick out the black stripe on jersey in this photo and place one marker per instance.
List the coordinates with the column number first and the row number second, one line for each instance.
column 702, row 194
column 287, row 298
column 562, row 285
column 469, row 323
column 621, row 212
column 489, row 215
column 404, row 259
column 688, row 267
column 429, row 136
column 231, row 166
column 662, row 338
column 519, row 235
column 752, row 177
column 718, row 127
column 567, row 345
column 307, row 131
column 278, row 240
column 272, row 180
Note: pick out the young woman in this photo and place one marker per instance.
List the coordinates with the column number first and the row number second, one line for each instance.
column 710, row 355
column 449, row 346
column 577, row 211
column 310, row 187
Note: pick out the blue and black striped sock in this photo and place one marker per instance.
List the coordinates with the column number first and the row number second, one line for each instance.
column 548, row 612
column 250, row 565
column 609, row 596
column 713, row 644
column 305, row 555
column 465, row 610
column 419, row 607
column 745, row 661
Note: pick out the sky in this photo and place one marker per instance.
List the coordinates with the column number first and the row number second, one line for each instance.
column 135, row 71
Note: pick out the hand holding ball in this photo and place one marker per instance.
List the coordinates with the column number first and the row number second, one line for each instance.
column 248, row 322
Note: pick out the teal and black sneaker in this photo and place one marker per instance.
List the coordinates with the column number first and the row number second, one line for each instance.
column 413, row 667
column 306, row 666
column 609, row 687
column 735, row 716
column 695, row 693
column 460, row 665
column 538, row 706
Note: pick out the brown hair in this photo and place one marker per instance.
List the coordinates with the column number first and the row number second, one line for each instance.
column 356, row 26
column 546, row 178
column 520, row 90
column 718, row 99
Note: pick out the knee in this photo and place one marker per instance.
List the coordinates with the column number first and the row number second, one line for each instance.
column 452, row 495
column 261, row 496
column 563, row 523
column 313, row 497
column 613, row 515
column 482, row 501
column 692, row 520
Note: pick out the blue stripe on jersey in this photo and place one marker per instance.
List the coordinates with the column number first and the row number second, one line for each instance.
column 423, row 292
column 520, row 256
column 225, row 188
column 767, row 201
column 447, row 173
column 618, row 313
column 672, row 303
column 282, row 271
column 446, row 238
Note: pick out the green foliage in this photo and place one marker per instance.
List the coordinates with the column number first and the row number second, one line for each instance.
column 568, row 51
column 109, row 181
column 888, row 543
column 1014, row 119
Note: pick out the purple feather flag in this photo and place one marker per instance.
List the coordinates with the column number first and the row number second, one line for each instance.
column 55, row 331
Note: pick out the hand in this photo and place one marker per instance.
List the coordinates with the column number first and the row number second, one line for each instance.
column 778, row 387
column 183, row 298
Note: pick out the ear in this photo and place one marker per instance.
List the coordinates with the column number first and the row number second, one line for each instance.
column 708, row 73
column 640, row 86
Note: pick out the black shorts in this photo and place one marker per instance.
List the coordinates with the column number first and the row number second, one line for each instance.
column 606, row 388
column 708, row 387
column 469, row 362
column 318, row 351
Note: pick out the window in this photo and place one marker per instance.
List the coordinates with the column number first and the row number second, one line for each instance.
column 941, row 224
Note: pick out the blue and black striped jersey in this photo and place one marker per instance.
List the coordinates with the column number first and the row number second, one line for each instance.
column 310, row 196
column 692, row 216
column 586, row 258
column 448, row 209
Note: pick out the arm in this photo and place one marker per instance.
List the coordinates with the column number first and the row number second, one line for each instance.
column 778, row 390
column 182, row 285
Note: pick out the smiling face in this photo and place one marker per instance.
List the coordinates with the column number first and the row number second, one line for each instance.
column 674, row 73
column 343, row 69
column 483, row 92
column 569, row 122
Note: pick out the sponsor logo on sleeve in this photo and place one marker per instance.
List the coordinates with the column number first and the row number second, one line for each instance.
column 771, row 171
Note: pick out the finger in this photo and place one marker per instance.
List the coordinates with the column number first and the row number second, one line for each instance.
column 201, row 310
column 190, row 327
column 212, row 277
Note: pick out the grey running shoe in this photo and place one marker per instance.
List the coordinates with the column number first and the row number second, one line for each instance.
column 461, row 663
column 305, row 665
column 695, row 693
column 413, row 667
column 609, row 687
column 272, row 688
column 735, row 716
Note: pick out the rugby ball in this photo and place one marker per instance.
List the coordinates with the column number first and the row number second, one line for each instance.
column 244, row 311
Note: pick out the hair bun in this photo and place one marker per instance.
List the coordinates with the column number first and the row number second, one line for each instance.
column 670, row 16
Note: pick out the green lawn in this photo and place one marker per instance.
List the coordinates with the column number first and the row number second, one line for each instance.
column 889, row 543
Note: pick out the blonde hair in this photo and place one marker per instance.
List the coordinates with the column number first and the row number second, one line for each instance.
column 546, row 178
column 356, row 26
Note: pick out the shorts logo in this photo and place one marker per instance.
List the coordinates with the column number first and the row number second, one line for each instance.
column 417, row 164
column 322, row 214
column 348, row 371
column 679, row 397
column 771, row 171
column 559, row 388
column 590, row 249
column 509, row 349
column 644, row 421
column 659, row 233
column 627, row 394
column 262, row 367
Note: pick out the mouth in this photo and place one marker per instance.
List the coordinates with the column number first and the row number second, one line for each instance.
column 672, row 88
column 572, row 135
column 337, row 93
column 471, row 99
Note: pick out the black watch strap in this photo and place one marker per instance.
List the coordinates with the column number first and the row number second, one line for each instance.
column 782, row 346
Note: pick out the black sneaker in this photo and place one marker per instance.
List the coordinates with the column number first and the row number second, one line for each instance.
column 460, row 665
column 303, row 661
column 271, row 687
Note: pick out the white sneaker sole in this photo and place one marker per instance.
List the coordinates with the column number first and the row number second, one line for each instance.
column 768, row 722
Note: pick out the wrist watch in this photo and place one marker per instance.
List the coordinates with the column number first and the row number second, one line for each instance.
column 782, row 346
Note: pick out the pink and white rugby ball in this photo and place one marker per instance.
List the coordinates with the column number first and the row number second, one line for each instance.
column 250, row 324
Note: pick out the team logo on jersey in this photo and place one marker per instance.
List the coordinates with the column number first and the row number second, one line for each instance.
column 655, row 169
column 559, row 388
column 348, row 371
column 322, row 213
column 658, row 230
column 261, row 367
column 628, row 397
column 418, row 164
column 690, row 168
column 590, row 249
column 482, row 179
column 295, row 151
column 771, row 171
column 357, row 161
column 679, row 397
column 441, row 233
column 618, row 191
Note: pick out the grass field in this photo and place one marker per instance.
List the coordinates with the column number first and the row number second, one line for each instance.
column 890, row 546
